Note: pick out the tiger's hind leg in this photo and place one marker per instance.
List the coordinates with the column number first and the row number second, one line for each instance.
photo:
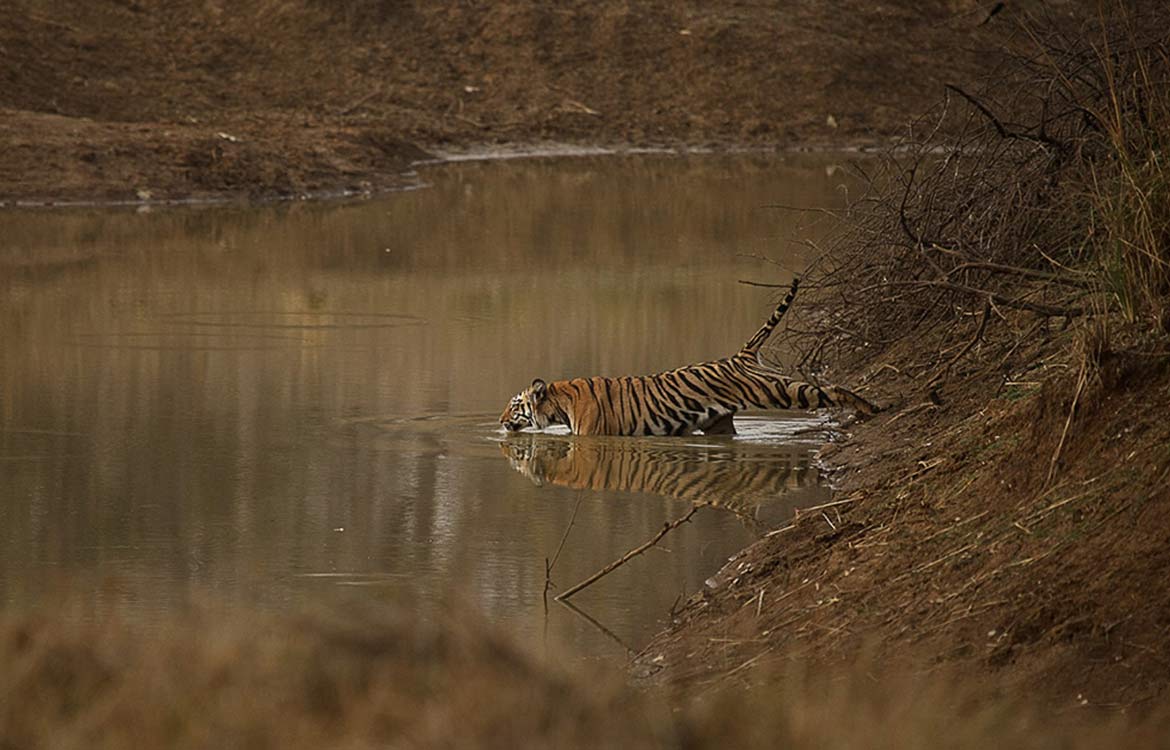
column 724, row 425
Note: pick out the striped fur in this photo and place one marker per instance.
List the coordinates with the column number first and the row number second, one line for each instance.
column 696, row 398
column 739, row 477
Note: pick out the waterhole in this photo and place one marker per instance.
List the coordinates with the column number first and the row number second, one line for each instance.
column 282, row 403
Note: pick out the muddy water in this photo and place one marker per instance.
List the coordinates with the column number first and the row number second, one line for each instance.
column 275, row 404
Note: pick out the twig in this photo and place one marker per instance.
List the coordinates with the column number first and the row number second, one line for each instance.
column 1058, row 504
column 952, row 527
column 1021, row 304
column 548, row 566
column 469, row 121
column 749, row 662
column 360, row 101
column 765, row 259
column 804, row 513
column 793, row 590
column 759, row 283
column 946, row 368
column 576, row 106
column 911, row 410
column 832, row 213
column 932, row 563
column 999, row 126
column 822, row 506
column 666, row 528
column 1082, row 378
column 1067, row 279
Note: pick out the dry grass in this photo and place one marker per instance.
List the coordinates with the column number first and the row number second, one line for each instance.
column 335, row 677
column 345, row 677
column 1130, row 194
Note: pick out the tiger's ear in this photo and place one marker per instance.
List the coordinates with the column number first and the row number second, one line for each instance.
column 539, row 389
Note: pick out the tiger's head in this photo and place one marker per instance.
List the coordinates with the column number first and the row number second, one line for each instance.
column 528, row 408
column 541, row 458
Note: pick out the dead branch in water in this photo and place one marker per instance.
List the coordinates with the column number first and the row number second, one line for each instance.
column 548, row 566
column 747, row 282
column 666, row 529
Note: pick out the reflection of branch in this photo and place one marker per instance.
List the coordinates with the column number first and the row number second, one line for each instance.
column 548, row 566
column 666, row 528
column 604, row 630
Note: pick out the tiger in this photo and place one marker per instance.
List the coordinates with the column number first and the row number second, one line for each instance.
column 702, row 397
column 737, row 477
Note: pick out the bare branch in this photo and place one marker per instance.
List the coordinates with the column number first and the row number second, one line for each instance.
column 666, row 528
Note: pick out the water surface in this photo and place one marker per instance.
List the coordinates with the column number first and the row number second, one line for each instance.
column 272, row 403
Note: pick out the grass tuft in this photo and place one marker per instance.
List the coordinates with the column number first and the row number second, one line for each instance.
column 1130, row 191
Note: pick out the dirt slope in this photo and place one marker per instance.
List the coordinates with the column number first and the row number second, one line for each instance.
column 1015, row 535
column 116, row 99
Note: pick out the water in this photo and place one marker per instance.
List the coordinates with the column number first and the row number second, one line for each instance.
column 274, row 404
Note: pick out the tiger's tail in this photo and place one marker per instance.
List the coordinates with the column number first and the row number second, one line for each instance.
column 752, row 347
column 845, row 397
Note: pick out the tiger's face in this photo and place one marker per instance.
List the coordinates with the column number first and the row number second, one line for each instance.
column 541, row 458
column 526, row 408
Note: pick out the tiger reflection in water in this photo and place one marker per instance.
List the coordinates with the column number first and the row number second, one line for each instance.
column 738, row 477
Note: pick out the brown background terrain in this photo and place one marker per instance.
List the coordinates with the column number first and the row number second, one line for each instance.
column 1014, row 536
column 126, row 99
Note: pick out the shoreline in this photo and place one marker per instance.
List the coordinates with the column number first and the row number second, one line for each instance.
column 407, row 178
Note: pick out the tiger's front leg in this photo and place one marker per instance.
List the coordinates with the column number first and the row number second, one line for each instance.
column 724, row 425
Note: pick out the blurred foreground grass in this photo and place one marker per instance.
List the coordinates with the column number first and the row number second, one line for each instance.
column 358, row 676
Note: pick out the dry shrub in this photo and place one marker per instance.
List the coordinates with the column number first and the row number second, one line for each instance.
column 1011, row 211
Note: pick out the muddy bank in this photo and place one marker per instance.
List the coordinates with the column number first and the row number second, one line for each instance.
column 125, row 101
